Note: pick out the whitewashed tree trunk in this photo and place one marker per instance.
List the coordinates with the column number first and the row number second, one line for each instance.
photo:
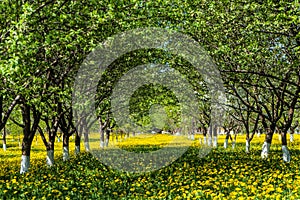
column 204, row 140
column 291, row 137
column 233, row 144
column 50, row 158
column 58, row 139
column 87, row 146
column 215, row 144
column 106, row 142
column 25, row 164
column 286, row 154
column 192, row 137
column 102, row 144
column 77, row 150
column 66, row 155
column 4, row 147
column 226, row 143
column 209, row 141
column 265, row 150
column 247, row 146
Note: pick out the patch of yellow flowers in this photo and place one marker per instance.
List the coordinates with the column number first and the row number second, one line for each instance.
column 223, row 174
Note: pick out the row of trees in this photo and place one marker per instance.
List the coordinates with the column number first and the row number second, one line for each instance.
column 254, row 44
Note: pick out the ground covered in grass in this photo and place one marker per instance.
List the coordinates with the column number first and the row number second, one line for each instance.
column 222, row 174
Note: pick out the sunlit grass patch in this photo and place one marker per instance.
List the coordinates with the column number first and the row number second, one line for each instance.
column 222, row 174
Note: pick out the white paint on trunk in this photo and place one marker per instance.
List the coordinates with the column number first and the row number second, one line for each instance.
column 215, row 142
column 258, row 133
column 291, row 137
column 106, row 142
column 192, row 137
column 4, row 147
column 25, row 164
column 204, row 140
column 66, row 153
column 265, row 150
column 101, row 144
column 286, row 154
column 226, row 143
column 247, row 146
column 50, row 158
column 58, row 139
column 233, row 144
column 87, row 146
column 77, row 149
column 209, row 141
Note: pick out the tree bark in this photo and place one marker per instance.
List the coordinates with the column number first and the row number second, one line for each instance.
column 77, row 142
column 101, row 137
column 25, row 159
column 4, row 139
column 66, row 154
column 107, row 137
column 266, row 146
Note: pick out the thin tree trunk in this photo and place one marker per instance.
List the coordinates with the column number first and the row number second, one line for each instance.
column 228, row 136
column 234, row 141
column 267, row 144
column 210, row 135
column 77, row 142
column 107, row 137
column 66, row 154
column 285, row 151
column 49, row 147
column 4, row 139
column 101, row 138
column 86, row 139
column 215, row 134
column 25, row 159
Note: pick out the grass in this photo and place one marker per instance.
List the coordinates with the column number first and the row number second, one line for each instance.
column 222, row 174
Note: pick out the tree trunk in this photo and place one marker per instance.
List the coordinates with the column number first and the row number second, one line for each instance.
column 226, row 143
column 50, row 151
column 192, row 136
column 266, row 146
column 25, row 159
column 50, row 158
column 77, row 143
column 107, row 137
column 215, row 133
column 234, row 141
column 291, row 137
column 210, row 134
column 29, row 130
column 228, row 136
column 205, row 140
column 247, row 145
column 86, row 139
column 66, row 154
column 285, row 151
column 101, row 137
column 4, row 139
